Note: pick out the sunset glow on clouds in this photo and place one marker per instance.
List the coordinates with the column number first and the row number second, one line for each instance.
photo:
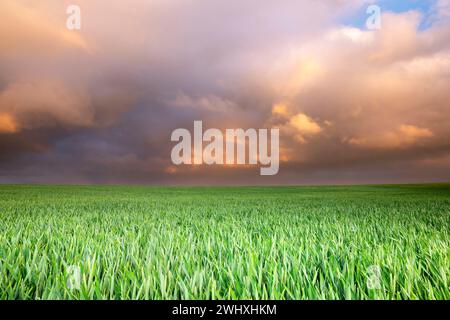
column 98, row 105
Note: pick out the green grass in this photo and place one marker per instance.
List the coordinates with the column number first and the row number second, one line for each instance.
column 225, row 243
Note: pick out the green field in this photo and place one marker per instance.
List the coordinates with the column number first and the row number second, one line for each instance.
column 225, row 243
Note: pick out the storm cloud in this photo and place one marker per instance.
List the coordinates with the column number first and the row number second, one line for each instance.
column 98, row 105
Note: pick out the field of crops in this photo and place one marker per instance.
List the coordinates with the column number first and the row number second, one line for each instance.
column 105, row 242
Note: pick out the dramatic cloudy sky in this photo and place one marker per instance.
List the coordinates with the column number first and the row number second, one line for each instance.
column 98, row 105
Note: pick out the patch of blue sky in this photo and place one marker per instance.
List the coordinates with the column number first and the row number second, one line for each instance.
column 358, row 19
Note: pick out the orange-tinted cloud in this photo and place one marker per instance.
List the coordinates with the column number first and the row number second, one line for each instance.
column 26, row 25
column 44, row 104
column 403, row 137
column 111, row 93
column 383, row 93
column 7, row 123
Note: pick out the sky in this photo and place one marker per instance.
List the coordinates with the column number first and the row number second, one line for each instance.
column 98, row 105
